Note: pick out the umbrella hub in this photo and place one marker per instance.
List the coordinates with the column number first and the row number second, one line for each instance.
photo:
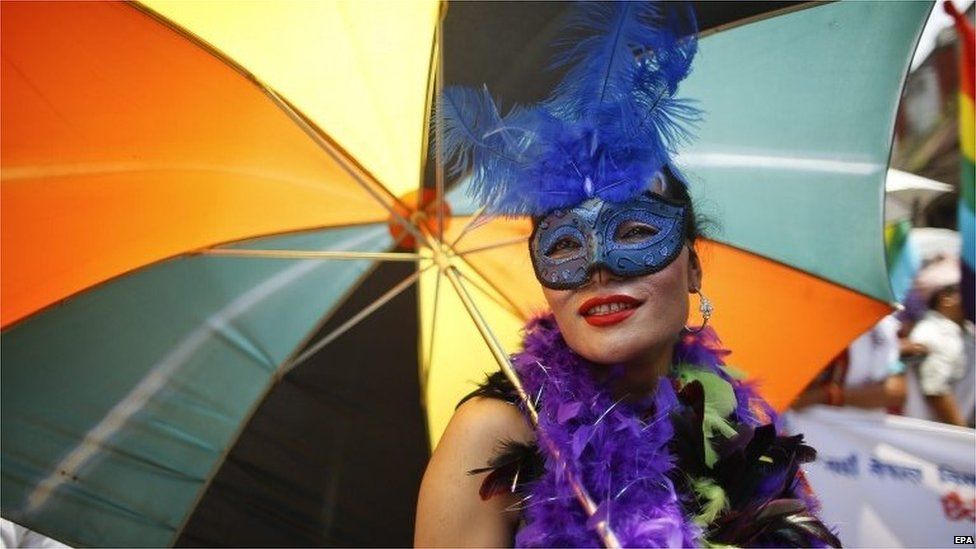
column 423, row 211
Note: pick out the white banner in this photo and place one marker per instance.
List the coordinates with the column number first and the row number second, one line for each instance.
column 891, row 481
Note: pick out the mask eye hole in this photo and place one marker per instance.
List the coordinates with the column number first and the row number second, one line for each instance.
column 564, row 247
column 634, row 232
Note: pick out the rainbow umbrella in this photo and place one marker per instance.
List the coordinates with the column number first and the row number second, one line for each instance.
column 236, row 311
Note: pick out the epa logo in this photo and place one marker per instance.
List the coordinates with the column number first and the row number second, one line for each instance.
column 963, row 540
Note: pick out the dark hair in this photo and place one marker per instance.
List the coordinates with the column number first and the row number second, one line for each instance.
column 677, row 190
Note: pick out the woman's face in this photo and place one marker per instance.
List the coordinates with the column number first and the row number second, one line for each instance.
column 612, row 319
column 950, row 305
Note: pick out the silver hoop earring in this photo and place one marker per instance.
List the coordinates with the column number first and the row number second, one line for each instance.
column 706, row 309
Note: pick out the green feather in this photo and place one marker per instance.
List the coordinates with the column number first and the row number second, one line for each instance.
column 719, row 404
column 713, row 500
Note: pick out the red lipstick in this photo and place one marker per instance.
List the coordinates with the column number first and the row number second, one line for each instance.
column 606, row 317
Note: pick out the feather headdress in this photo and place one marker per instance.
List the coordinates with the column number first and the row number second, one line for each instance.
column 606, row 129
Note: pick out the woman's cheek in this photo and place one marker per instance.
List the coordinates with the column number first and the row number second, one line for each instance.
column 659, row 319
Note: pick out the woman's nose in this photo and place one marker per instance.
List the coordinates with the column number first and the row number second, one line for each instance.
column 602, row 275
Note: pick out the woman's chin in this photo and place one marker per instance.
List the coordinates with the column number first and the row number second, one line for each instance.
column 618, row 346
column 612, row 352
column 608, row 360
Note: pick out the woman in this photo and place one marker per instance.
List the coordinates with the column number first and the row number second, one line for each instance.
column 642, row 438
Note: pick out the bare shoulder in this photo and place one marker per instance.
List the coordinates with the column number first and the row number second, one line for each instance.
column 475, row 433
column 449, row 510
column 489, row 418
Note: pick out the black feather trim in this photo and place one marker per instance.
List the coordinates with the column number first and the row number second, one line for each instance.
column 514, row 466
column 495, row 386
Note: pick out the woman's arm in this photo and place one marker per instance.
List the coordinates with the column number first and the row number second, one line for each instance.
column 945, row 409
column 449, row 510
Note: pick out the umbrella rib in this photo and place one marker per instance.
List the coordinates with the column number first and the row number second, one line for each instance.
column 425, row 366
column 469, row 226
column 439, row 152
column 309, row 254
column 760, row 17
column 492, row 246
column 353, row 321
column 512, row 306
column 602, row 527
column 500, row 301
column 340, row 159
column 454, row 275
column 330, row 313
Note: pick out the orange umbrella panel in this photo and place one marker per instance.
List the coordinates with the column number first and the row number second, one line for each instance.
column 125, row 143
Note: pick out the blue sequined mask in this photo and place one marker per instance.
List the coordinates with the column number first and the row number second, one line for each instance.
column 633, row 238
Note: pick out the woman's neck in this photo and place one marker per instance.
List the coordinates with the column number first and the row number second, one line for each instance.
column 639, row 377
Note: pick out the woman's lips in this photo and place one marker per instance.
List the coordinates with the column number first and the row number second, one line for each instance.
column 608, row 310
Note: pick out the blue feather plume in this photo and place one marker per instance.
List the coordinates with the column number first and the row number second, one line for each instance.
column 607, row 128
column 600, row 52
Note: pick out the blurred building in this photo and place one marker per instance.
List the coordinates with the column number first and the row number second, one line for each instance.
column 927, row 126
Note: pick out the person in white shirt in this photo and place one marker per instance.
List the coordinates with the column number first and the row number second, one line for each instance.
column 934, row 384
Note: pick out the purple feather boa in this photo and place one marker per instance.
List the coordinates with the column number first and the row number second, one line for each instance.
column 619, row 450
